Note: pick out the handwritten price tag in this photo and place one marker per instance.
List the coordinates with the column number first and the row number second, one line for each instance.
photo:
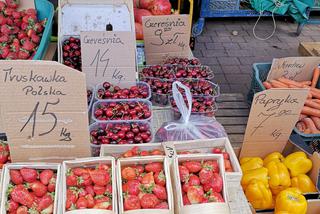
column 108, row 56
column 44, row 111
column 294, row 68
column 166, row 36
column 272, row 118
column 169, row 149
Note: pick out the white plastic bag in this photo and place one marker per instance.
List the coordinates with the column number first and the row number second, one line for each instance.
column 189, row 127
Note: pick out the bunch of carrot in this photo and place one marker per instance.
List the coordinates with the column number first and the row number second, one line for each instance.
column 309, row 121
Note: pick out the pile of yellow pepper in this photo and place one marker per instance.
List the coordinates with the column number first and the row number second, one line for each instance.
column 277, row 182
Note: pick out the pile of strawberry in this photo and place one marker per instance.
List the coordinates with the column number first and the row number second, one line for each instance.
column 89, row 188
column 200, row 182
column 144, row 187
column 136, row 152
column 20, row 31
column 4, row 154
column 31, row 191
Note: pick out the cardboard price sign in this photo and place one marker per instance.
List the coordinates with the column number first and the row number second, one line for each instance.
column 273, row 116
column 44, row 111
column 294, row 68
column 166, row 36
column 108, row 56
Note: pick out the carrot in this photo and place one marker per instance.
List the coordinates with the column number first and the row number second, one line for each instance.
column 316, row 121
column 277, row 84
column 315, row 77
column 307, row 131
column 316, row 100
column 290, row 82
column 302, row 116
column 310, row 111
column 306, row 83
column 310, row 125
column 312, row 104
column 267, row 85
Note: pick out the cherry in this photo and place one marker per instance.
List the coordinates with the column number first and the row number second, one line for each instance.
column 72, row 53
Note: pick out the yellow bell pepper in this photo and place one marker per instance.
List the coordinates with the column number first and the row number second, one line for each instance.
column 260, row 174
column 259, row 195
column 274, row 156
column 298, row 163
column 250, row 163
column 279, row 177
column 303, row 183
column 291, row 201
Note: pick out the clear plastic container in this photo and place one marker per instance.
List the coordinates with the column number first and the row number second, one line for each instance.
column 171, row 71
column 139, row 84
column 182, row 61
column 126, row 101
column 197, row 68
column 210, row 112
column 215, row 87
column 95, row 147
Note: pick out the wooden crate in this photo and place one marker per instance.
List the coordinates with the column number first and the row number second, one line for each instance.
column 309, row 48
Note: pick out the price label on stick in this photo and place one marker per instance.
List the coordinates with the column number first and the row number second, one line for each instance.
column 294, row 68
column 272, row 118
column 108, row 56
column 166, row 36
column 44, row 111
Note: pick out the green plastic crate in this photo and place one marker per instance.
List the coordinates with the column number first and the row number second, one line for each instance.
column 45, row 10
column 260, row 73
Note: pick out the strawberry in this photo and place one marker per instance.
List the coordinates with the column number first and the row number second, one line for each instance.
column 160, row 192
column 99, row 190
column 16, row 14
column 14, row 4
column 133, row 187
column 103, row 167
column 16, row 177
column 21, row 195
column 23, row 54
column 144, row 153
column 216, row 151
column 154, row 167
column 4, row 51
column 195, row 194
column 11, row 56
column 101, row 198
column 52, row 184
column 103, row 205
column 38, row 27
column 28, row 45
column 108, row 190
column 205, row 175
column 35, row 38
column 148, row 180
column 100, row 177
column 82, row 203
column 29, row 175
column 192, row 181
column 4, row 38
column 45, row 202
column 90, row 190
column 226, row 155
column 184, row 173
column 31, row 11
column 21, row 35
column 82, row 192
column 149, row 201
column 162, row 205
column 211, row 165
column 72, row 197
column 128, row 173
column 90, row 201
column 45, row 176
column 48, row 210
column 24, row 26
column 3, row 5
column 71, row 179
column 6, row 29
column 185, row 200
column 215, row 197
column 11, row 206
column 38, row 188
column 192, row 166
column 79, row 171
column 215, row 184
column 131, row 202
column 84, row 180
column 3, row 19
column 22, row 210
column 139, row 169
column 8, row 11
column 160, row 178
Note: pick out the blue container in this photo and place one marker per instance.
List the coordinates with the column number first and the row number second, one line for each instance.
column 45, row 10
column 260, row 73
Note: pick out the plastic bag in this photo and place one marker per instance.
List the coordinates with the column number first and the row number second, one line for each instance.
column 189, row 127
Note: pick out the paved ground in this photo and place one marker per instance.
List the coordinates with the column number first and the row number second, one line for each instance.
column 231, row 57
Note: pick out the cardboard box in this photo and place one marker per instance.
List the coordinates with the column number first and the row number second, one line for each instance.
column 6, row 181
column 88, row 162
column 117, row 150
column 218, row 208
column 144, row 160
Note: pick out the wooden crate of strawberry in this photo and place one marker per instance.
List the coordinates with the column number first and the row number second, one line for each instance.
column 128, row 151
column 200, row 184
column 89, row 186
column 30, row 188
column 144, row 185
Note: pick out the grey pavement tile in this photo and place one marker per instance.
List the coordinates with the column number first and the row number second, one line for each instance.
column 203, row 38
column 239, row 53
column 217, row 69
column 236, row 88
column 238, row 78
column 200, row 46
column 214, row 46
column 231, row 46
column 220, row 79
column 221, row 39
column 216, row 53
column 209, row 61
column 228, row 61
column 306, row 38
column 246, row 69
column 224, row 88
column 230, row 69
column 197, row 53
column 237, row 39
column 224, row 33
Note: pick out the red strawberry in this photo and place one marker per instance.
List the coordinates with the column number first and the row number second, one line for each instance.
column 215, row 184
column 12, row 206
column 21, row 35
column 103, row 205
column 133, row 187
column 72, row 197
column 49, row 209
column 192, row 166
column 71, row 179
column 192, row 181
column 8, row 11
column 6, row 29
column 45, row 202
column 2, row 5
column 3, row 19
column 216, row 151
column 38, row 27
column 13, row 3
column 99, row 190
column 100, row 177
column 215, row 197
column 154, row 167
column 79, row 171
column 52, row 184
column 211, row 165
column 82, row 192
column 195, row 194
column 82, row 203
column 160, row 178
column 45, row 176
column 16, row 14
column 162, row 205
column 29, row 175
column 28, row 45
column 144, row 153
column 90, row 190
column 35, row 39
column 4, row 38
column 90, row 201
column 24, row 26
column 149, row 201
column 31, row 11
column 4, row 51
column 205, row 175
column 184, row 173
column 21, row 195
column 108, row 190
column 160, row 192
column 16, row 177
column 23, row 54
column 11, row 56
column 101, row 199
column 22, row 210
column 185, row 200
column 103, row 167
column 139, row 168
column 148, row 180
column 38, row 188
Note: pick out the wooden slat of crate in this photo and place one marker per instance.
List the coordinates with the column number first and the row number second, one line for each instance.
column 309, row 48
column 232, row 113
